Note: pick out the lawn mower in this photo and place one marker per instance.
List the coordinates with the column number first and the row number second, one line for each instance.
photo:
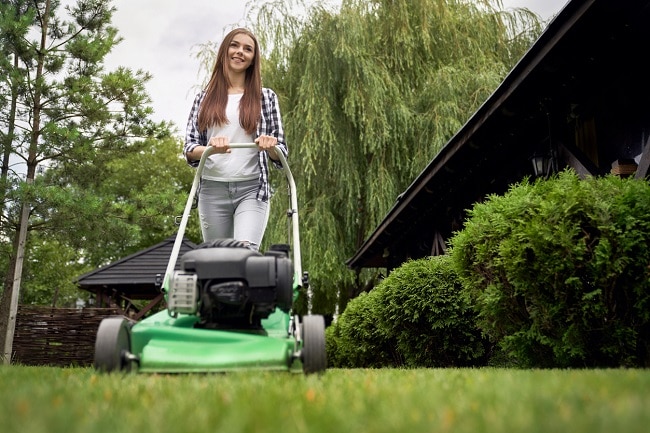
column 229, row 307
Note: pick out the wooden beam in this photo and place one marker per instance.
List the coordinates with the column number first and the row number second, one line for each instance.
column 438, row 248
column 577, row 160
column 155, row 301
column 644, row 163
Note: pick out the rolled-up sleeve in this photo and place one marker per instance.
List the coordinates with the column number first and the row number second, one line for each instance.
column 193, row 136
column 271, row 122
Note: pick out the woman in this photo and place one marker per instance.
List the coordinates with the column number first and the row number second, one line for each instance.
column 234, row 191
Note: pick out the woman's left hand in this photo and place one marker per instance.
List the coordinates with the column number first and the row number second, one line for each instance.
column 266, row 142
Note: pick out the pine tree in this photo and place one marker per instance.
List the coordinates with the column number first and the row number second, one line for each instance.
column 66, row 113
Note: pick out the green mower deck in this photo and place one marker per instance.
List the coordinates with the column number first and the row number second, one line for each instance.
column 168, row 345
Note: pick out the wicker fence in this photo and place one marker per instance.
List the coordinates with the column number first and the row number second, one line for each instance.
column 57, row 336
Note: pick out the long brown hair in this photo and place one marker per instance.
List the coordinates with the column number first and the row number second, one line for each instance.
column 213, row 106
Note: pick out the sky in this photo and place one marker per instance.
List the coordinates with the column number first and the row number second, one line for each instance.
column 162, row 36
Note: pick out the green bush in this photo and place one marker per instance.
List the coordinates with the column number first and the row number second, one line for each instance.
column 354, row 339
column 558, row 270
column 422, row 310
column 413, row 318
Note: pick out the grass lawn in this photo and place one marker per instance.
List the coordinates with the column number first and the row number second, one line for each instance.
column 69, row 400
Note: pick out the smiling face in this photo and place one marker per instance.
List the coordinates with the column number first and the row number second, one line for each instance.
column 241, row 52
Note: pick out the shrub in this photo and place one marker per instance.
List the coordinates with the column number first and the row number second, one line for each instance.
column 558, row 270
column 355, row 341
column 422, row 310
column 413, row 318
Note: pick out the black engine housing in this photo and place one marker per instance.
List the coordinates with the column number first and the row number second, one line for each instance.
column 238, row 286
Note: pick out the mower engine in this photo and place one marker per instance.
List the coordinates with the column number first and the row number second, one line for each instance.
column 232, row 287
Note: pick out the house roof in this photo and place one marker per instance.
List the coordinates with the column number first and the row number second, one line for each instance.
column 588, row 60
column 135, row 276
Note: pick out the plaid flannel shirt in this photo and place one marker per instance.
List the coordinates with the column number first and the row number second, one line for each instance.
column 270, row 124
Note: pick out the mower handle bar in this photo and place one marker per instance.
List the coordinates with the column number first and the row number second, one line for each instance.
column 297, row 264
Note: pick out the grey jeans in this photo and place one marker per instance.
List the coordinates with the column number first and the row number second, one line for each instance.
column 230, row 210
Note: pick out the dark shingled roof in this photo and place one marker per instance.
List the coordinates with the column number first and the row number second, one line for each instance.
column 135, row 276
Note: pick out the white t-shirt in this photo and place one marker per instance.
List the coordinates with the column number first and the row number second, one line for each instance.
column 239, row 164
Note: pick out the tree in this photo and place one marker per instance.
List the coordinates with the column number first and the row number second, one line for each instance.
column 133, row 206
column 67, row 114
column 48, row 272
column 369, row 96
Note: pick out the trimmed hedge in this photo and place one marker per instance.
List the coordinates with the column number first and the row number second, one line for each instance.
column 413, row 318
column 355, row 340
column 558, row 271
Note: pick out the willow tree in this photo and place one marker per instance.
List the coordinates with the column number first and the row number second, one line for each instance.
column 67, row 114
column 369, row 95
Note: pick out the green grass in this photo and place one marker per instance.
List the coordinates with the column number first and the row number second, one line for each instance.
column 69, row 400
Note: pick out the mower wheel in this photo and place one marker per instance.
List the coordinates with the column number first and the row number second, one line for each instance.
column 314, row 357
column 112, row 345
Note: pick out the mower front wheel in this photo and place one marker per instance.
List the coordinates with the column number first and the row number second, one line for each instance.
column 113, row 345
column 314, row 357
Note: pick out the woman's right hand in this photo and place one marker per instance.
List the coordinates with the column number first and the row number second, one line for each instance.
column 220, row 144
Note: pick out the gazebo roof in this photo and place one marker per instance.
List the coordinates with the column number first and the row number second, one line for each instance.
column 135, row 276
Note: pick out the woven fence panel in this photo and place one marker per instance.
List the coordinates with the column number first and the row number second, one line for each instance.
column 57, row 336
